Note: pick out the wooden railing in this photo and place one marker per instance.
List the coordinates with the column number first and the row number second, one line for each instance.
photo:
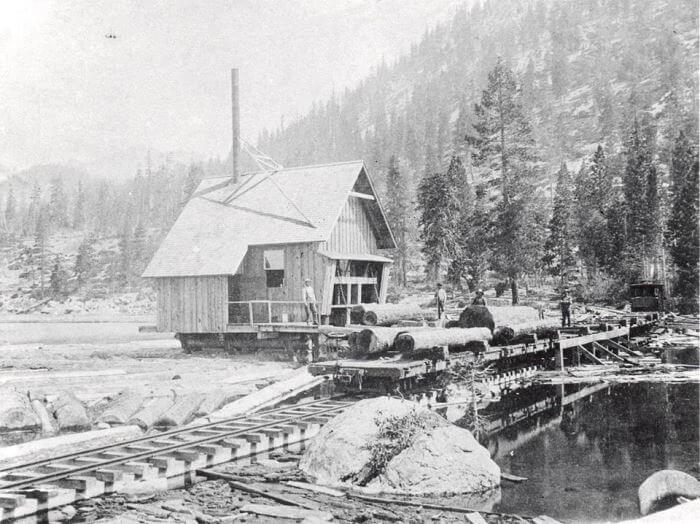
column 253, row 312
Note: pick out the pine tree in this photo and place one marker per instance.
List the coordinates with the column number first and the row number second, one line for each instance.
column 125, row 262
column 85, row 260
column 504, row 144
column 397, row 210
column 194, row 177
column 79, row 209
column 10, row 210
column 594, row 199
column 139, row 252
column 57, row 280
column 29, row 226
column 58, row 206
column 683, row 233
column 642, row 213
column 439, row 204
column 40, row 244
column 559, row 255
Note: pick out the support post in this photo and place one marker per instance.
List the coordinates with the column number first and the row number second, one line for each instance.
column 269, row 311
column 560, row 358
column 250, row 312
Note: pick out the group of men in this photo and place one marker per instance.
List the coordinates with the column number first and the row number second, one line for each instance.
column 479, row 300
column 309, row 299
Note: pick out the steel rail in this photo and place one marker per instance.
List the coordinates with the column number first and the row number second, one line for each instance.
column 164, row 434
column 164, row 450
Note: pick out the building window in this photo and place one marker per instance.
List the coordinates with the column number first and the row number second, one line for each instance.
column 273, row 260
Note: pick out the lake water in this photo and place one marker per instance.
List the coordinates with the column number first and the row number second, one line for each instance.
column 73, row 332
column 585, row 449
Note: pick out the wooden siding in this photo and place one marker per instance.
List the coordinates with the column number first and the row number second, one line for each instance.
column 301, row 261
column 353, row 232
column 384, row 284
column 192, row 304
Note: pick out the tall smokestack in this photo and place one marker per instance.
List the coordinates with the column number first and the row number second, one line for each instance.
column 235, row 126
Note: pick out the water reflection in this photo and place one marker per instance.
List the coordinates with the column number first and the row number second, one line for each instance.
column 586, row 448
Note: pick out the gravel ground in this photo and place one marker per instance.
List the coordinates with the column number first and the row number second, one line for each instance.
column 105, row 358
column 215, row 501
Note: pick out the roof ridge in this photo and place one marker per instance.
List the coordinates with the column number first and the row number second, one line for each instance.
column 252, row 173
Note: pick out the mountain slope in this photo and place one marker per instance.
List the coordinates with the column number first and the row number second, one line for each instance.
column 585, row 68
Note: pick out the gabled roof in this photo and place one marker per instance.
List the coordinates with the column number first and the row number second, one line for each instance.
column 219, row 223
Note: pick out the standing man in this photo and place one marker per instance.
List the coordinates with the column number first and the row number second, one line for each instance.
column 440, row 298
column 309, row 299
column 565, row 305
column 479, row 299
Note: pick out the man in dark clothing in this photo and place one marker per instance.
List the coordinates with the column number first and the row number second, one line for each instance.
column 440, row 298
column 479, row 299
column 565, row 305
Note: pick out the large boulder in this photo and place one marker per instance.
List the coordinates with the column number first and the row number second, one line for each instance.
column 661, row 489
column 437, row 457
column 445, row 460
column 16, row 411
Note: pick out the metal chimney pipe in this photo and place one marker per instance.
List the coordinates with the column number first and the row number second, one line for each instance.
column 235, row 126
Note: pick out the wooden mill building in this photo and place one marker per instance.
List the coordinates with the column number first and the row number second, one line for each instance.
column 236, row 259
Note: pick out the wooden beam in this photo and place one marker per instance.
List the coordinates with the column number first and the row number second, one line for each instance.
column 590, row 355
column 595, row 337
column 616, row 357
column 363, row 196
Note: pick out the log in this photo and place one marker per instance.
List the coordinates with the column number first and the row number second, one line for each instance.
column 519, row 333
column 296, row 382
column 482, row 316
column 248, row 488
column 16, row 411
column 126, row 404
column 146, row 417
column 48, row 423
column 429, row 338
column 378, row 339
column 212, row 402
column 287, row 512
column 69, row 412
column 387, row 314
column 181, row 411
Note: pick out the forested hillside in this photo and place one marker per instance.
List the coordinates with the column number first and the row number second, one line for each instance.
column 583, row 68
column 522, row 137
column 594, row 99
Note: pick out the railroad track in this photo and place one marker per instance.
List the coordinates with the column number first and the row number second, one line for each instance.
column 158, row 461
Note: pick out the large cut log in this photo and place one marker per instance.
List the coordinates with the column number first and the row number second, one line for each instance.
column 387, row 314
column 429, row 338
column 69, row 412
column 212, row 402
column 379, row 339
column 126, row 404
column 146, row 417
column 181, row 411
column 520, row 333
column 16, row 411
column 295, row 383
column 492, row 316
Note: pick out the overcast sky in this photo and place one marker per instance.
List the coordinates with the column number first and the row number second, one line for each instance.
column 69, row 94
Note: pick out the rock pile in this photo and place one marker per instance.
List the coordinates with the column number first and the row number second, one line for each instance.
column 359, row 448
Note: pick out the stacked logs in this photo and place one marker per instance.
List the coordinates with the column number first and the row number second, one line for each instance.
column 429, row 338
column 388, row 314
column 509, row 324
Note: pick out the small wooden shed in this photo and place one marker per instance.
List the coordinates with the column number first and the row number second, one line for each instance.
column 237, row 256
